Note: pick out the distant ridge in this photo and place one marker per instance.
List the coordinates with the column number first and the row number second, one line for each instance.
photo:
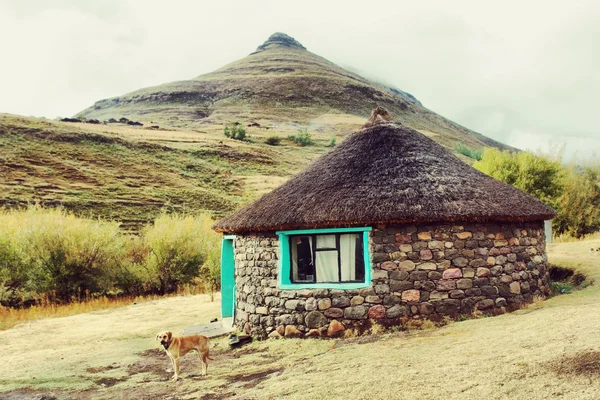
column 279, row 83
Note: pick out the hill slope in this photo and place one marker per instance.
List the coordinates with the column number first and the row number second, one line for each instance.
column 280, row 83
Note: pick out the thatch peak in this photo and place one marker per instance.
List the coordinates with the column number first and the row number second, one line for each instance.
column 378, row 115
column 386, row 174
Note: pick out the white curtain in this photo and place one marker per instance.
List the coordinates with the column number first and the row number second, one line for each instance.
column 295, row 241
column 327, row 266
column 348, row 257
column 326, row 242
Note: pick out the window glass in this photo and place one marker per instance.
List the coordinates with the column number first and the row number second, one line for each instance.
column 333, row 258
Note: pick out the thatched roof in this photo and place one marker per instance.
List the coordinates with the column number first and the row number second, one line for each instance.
column 385, row 173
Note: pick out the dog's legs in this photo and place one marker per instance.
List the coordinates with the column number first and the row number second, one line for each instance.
column 204, row 362
column 176, row 368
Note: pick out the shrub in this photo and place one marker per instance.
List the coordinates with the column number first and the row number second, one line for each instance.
column 302, row 138
column 66, row 257
column 55, row 256
column 273, row 140
column 235, row 131
column 331, row 142
column 470, row 152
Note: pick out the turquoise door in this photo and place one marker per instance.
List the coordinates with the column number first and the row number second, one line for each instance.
column 227, row 277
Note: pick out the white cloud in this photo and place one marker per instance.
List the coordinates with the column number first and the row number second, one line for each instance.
column 501, row 68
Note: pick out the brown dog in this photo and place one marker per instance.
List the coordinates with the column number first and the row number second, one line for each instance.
column 179, row 346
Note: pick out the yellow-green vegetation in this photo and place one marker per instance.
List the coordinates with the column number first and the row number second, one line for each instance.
column 574, row 190
column 547, row 350
column 51, row 256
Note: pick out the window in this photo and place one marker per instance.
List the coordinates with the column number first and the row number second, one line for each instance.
column 326, row 258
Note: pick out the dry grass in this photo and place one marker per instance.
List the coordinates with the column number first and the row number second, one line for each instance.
column 10, row 317
column 504, row 357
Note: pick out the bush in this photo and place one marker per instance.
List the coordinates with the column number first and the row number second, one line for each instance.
column 331, row 142
column 470, row 152
column 235, row 131
column 52, row 254
column 573, row 191
column 66, row 257
column 302, row 138
column 273, row 140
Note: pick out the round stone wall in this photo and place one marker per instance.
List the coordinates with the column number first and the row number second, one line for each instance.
column 418, row 271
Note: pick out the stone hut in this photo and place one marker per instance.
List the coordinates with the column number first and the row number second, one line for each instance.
column 387, row 226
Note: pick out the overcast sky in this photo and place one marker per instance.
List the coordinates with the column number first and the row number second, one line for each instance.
column 526, row 73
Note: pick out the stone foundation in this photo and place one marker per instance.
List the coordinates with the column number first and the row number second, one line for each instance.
column 418, row 271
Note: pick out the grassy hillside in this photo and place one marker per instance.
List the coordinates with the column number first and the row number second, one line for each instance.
column 551, row 349
column 279, row 84
column 131, row 174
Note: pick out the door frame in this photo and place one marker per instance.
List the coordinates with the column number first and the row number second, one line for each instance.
column 227, row 277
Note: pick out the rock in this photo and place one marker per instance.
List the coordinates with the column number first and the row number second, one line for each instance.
column 313, row 333
column 262, row 310
column 399, row 275
column 292, row 332
column 464, row 235
column 500, row 243
column 285, row 319
column 356, row 312
column 407, row 265
column 281, row 330
column 340, row 302
column 426, row 308
column 485, row 304
column 399, row 286
column 247, row 328
column 457, row 294
column 483, row 272
column 292, row 304
column 425, row 254
column 460, row 262
column 452, row 273
column 396, row 311
column 468, row 272
column 446, row 284
column 424, row 236
column 336, row 329
column 311, row 304
column 391, row 300
column 373, row 299
column 434, row 275
column 448, row 306
column 515, row 288
column 315, row 319
column 357, row 300
column 406, row 248
column 334, row 313
column 379, row 274
column 435, row 245
column 275, row 335
column 388, row 266
column 501, row 302
column 464, row 284
column 411, row 295
column 429, row 266
column 377, row 312
column 438, row 295
column 382, row 289
column 324, row 304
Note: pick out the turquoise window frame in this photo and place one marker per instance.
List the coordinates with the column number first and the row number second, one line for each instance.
column 283, row 278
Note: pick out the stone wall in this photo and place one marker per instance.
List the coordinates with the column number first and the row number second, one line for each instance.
column 418, row 271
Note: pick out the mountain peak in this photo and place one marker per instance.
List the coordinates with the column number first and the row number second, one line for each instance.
column 280, row 39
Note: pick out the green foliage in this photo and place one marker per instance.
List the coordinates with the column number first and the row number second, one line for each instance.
column 273, row 140
column 55, row 255
column 470, row 152
column 302, row 138
column 579, row 203
column 572, row 191
column 561, row 287
column 235, row 131
column 331, row 142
